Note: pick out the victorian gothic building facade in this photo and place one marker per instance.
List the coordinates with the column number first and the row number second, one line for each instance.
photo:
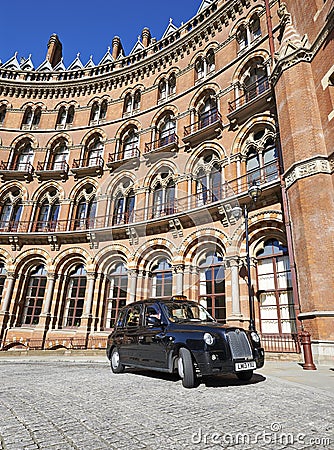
column 121, row 180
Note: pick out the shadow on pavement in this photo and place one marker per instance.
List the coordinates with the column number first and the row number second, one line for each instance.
column 214, row 381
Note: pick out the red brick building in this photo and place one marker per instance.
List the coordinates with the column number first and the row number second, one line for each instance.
column 122, row 180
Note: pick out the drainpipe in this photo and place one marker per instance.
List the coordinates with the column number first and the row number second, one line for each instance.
column 270, row 31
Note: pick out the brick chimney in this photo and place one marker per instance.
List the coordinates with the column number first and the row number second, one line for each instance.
column 55, row 50
column 116, row 47
column 146, row 37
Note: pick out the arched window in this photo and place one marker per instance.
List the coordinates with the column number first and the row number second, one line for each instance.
column 162, row 89
column 128, row 104
column 163, row 198
column 162, row 279
column 132, row 102
column 62, row 114
column 124, row 208
column 95, row 112
column 70, row 115
column 136, row 100
column 208, row 187
column 254, row 27
column 65, row 116
column 261, row 161
column 242, row 37
column 94, row 152
column 199, row 69
column 212, row 285
column 207, row 112
column 27, row 117
column 210, row 60
column 37, row 117
column 48, row 211
column 10, row 212
column 3, row 111
column 86, row 210
column 116, row 291
column 34, row 296
column 171, row 84
column 24, row 158
column 130, row 144
column 253, row 167
column 167, row 129
column 256, row 82
column 60, row 156
column 103, row 110
column 75, row 297
column 277, row 310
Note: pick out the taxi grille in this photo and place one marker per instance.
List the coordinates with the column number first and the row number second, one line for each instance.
column 239, row 345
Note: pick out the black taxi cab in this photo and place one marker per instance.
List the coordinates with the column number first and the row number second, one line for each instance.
column 178, row 335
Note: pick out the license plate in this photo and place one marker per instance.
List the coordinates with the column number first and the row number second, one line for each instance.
column 249, row 365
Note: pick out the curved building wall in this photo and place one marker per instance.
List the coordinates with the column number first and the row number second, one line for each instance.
column 122, row 182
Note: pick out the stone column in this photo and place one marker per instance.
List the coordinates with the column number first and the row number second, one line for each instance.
column 132, row 285
column 234, row 266
column 49, row 293
column 178, row 279
column 9, row 292
column 90, row 294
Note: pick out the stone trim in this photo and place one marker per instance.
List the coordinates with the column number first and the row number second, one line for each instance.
column 314, row 314
column 309, row 167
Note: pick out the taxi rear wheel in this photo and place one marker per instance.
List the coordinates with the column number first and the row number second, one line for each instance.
column 245, row 376
column 186, row 368
column 115, row 362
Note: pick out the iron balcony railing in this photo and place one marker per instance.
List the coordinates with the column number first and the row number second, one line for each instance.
column 18, row 166
column 95, row 161
column 60, row 166
column 251, row 92
column 128, row 153
column 161, row 143
column 205, row 120
column 203, row 198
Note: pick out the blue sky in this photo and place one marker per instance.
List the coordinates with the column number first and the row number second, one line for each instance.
column 82, row 26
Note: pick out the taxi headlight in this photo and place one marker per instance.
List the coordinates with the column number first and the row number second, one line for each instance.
column 208, row 339
column 255, row 337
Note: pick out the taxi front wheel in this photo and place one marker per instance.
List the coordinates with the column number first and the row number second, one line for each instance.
column 115, row 362
column 245, row 376
column 186, row 368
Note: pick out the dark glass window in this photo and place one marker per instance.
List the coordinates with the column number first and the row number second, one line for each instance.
column 34, row 296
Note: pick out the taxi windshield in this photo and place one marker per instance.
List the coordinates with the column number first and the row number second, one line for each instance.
column 186, row 311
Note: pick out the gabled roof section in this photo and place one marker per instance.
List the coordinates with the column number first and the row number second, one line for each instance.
column 90, row 63
column 204, row 4
column 76, row 64
column 170, row 29
column 26, row 64
column 107, row 58
column 138, row 47
column 60, row 66
column 45, row 66
column 12, row 63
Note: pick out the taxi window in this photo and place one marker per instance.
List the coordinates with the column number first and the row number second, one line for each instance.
column 133, row 316
column 152, row 310
column 121, row 317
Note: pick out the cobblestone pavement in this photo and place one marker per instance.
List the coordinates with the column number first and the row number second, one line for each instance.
column 77, row 404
